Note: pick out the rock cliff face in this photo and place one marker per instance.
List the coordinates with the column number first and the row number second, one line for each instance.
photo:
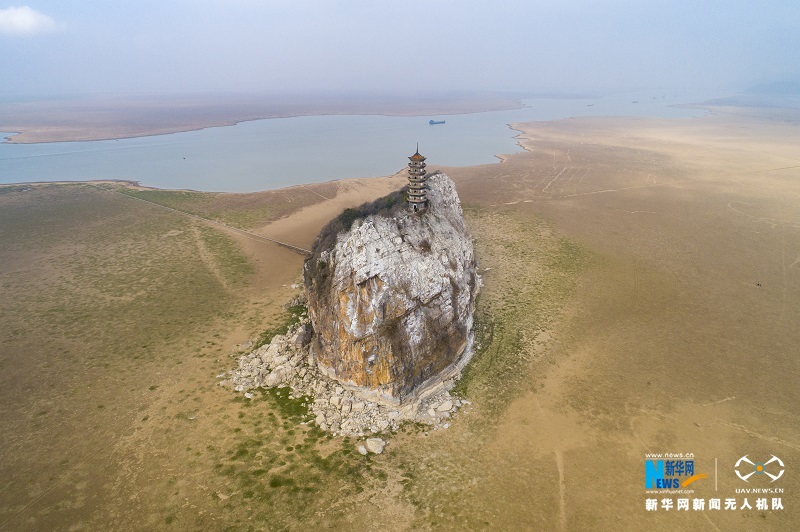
column 391, row 300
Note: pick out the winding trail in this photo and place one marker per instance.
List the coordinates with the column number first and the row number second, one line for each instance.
column 296, row 249
column 208, row 259
column 562, row 489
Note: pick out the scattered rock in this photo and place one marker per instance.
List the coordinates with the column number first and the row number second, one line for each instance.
column 333, row 406
column 362, row 450
column 375, row 445
column 276, row 376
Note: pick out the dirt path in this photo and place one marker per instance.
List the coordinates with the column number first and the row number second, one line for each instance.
column 209, row 260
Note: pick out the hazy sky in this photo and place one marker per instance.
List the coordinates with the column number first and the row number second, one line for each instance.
column 307, row 45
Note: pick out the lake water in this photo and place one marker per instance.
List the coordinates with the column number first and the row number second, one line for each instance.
column 274, row 153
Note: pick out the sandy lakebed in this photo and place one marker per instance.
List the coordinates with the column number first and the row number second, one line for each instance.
column 642, row 279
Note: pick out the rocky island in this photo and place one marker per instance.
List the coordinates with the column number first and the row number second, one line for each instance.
column 390, row 289
column 391, row 301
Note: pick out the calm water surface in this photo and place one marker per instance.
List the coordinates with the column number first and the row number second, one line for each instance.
column 274, row 153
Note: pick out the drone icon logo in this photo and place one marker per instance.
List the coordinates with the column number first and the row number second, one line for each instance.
column 758, row 468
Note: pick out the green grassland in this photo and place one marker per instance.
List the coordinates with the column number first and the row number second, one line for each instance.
column 101, row 297
column 541, row 270
column 245, row 211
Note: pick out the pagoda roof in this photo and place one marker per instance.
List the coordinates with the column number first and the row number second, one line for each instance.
column 417, row 157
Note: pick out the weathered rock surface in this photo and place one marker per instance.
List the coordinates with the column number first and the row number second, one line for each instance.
column 390, row 305
column 285, row 362
column 392, row 301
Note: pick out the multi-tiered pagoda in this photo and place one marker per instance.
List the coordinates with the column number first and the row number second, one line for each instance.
column 417, row 196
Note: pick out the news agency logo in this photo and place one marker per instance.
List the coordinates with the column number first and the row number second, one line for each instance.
column 666, row 473
column 669, row 474
column 746, row 468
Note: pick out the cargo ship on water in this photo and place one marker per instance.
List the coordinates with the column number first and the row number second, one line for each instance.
column 434, row 122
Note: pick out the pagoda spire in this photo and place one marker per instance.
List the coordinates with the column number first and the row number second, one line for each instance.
column 417, row 190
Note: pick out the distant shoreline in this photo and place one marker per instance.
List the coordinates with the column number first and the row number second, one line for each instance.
column 24, row 135
column 128, row 182
column 119, row 118
column 518, row 127
column 190, row 176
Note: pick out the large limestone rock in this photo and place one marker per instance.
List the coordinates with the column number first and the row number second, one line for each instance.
column 391, row 300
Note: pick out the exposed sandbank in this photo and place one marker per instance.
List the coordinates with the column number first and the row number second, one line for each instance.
column 109, row 118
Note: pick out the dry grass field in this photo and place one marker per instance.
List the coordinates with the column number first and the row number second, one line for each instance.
column 641, row 283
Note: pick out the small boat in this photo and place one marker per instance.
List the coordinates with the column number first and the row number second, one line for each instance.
column 434, row 122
